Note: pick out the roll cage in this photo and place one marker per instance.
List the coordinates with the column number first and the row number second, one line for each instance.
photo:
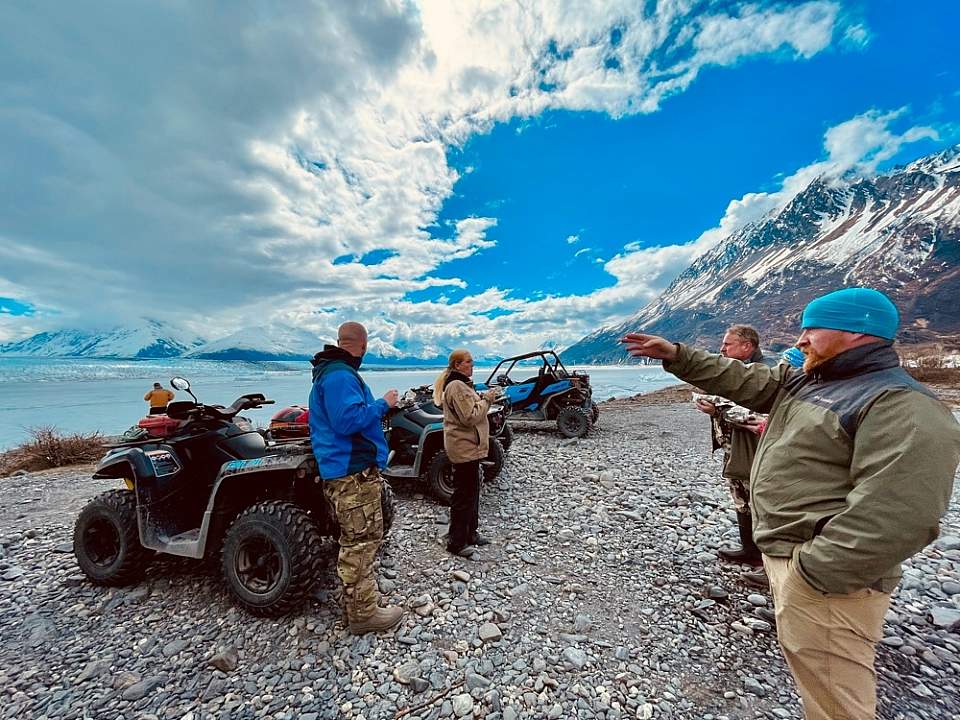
column 549, row 365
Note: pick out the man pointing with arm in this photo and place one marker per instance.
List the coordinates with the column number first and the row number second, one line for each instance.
column 853, row 472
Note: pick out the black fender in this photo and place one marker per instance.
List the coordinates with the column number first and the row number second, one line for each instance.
column 243, row 482
column 129, row 462
column 547, row 406
column 428, row 438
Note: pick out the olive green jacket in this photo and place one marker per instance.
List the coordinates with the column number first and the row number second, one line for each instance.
column 855, row 467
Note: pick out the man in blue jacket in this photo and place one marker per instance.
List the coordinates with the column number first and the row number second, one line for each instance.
column 348, row 442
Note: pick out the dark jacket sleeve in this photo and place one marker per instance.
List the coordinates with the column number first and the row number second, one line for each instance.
column 346, row 404
column 754, row 386
column 905, row 455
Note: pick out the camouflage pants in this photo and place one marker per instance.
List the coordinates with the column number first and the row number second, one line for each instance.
column 740, row 494
column 356, row 501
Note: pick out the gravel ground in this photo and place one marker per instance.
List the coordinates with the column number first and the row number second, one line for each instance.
column 600, row 598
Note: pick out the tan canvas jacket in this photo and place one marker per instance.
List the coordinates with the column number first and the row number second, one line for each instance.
column 466, row 432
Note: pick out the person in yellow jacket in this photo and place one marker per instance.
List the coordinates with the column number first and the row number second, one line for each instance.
column 158, row 398
column 466, row 439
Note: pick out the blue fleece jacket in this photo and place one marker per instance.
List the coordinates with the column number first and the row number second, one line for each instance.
column 345, row 429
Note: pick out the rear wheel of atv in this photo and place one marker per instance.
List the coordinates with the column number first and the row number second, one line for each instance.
column 574, row 421
column 493, row 463
column 106, row 540
column 440, row 475
column 271, row 556
column 506, row 437
column 594, row 413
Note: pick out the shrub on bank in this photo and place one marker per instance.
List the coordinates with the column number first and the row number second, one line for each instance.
column 47, row 448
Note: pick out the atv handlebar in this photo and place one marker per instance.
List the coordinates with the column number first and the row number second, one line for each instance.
column 197, row 411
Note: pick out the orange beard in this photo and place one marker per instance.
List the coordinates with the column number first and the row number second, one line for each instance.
column 828, row 351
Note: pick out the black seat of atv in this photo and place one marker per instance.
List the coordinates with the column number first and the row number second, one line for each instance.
column 421, row 417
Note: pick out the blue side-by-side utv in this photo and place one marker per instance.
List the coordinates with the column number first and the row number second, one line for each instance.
column 547, row 392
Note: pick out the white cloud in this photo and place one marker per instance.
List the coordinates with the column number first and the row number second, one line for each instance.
column 857, row 35
column 571, row 239
column 209, row 167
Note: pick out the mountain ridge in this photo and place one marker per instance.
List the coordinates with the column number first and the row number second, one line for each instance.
column 898, row 232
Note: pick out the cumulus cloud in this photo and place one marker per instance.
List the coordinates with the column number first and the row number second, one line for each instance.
column 208, row 167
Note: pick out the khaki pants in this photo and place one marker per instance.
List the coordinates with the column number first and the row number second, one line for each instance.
column 829, row 641
column 356, row 501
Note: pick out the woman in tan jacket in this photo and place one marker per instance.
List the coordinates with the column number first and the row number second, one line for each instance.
column 466, row 439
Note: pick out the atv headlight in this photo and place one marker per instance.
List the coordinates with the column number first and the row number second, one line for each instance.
column 164, row 463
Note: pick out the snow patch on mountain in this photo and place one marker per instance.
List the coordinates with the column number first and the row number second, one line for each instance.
column 151, row 339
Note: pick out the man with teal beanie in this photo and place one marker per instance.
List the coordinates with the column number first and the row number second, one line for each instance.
column 853, row 472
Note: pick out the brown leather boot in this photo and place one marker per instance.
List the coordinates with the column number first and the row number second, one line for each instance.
column 383, row 618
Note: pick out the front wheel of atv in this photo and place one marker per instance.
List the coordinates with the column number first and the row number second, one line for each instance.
column 493, row 463
column 440, row 475
column 106, row 540
column 574, row 421
column 271, row 556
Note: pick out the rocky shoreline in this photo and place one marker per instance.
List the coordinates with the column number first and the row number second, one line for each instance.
column 601, row 598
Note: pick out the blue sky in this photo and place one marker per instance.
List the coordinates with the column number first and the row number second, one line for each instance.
column 476, row 174
column 663, row 178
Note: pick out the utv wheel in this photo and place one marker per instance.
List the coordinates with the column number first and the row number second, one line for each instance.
column 595, row 413
column 506, row 437
column 493, row 463
column 573, row 422
column 106, row 541
column 271, row 556
column 440, row 474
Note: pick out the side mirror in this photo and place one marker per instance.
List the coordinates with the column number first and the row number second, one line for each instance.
column 179, row 383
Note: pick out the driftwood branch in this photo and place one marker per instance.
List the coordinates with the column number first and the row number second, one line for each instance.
column 428, row 703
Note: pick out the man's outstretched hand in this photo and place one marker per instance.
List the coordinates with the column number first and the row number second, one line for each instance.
column 651, row 346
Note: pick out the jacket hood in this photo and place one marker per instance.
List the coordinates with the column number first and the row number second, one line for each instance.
column 858, row 360
column 330, row 354
column 756, row 357
column 454, row 375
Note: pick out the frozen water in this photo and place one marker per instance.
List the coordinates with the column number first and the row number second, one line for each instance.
column 107, row 395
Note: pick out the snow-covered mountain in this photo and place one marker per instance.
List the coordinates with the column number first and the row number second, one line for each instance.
column 150, row 339
column 277, row 342
column 898, row 232
column 153, row 339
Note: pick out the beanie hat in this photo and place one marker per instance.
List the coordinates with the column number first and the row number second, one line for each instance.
column 794, row 356
column 856, row 310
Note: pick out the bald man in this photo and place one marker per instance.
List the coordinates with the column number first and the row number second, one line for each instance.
column 348, row 442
